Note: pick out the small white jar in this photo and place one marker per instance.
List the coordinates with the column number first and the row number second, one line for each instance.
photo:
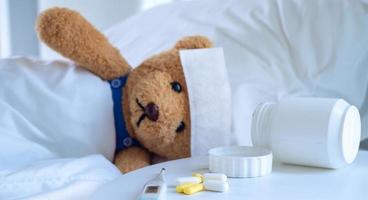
column 320, row 132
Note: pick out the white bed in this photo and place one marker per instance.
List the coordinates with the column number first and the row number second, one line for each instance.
column 273, row 49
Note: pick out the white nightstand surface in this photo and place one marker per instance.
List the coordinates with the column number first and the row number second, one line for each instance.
column 285, row 182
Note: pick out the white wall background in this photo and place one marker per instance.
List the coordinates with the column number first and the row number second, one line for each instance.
column 17, row 20
column 4, row 31
column 16, row 30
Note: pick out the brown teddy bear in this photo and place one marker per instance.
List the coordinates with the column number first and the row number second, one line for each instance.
column 151, row 106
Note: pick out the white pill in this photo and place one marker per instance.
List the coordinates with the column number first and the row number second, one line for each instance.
column 215, row 176
column 216, row 185
column 189, row 179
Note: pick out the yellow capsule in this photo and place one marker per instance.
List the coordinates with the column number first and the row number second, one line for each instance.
column 198, row 175
column 180, row 188
column 194, row 188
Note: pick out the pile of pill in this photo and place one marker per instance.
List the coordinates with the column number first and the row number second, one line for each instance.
column 198, row 182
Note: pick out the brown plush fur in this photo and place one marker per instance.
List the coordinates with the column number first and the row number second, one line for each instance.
column 124, row 157
column 70, row 34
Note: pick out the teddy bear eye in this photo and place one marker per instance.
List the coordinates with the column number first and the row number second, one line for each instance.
column 176, row 86
column 181, row 127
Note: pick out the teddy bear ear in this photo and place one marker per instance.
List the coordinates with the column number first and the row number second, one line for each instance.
column 193, row 42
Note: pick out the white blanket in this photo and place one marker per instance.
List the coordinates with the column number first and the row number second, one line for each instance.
column 50, row 111
column 57, row 179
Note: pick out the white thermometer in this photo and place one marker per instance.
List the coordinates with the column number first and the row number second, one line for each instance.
column 155, row 189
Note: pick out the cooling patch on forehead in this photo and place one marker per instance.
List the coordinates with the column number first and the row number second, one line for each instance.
column 209, row 98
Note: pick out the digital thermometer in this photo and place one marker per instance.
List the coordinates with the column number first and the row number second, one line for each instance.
column 155, row 189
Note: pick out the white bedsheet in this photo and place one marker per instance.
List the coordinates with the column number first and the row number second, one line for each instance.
column 273, row 49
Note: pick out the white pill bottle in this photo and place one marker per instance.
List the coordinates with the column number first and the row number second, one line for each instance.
column 320, row 132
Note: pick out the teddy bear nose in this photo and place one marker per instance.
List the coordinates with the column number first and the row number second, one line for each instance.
column 151, row 111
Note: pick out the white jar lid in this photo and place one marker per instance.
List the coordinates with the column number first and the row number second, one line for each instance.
column 240, row 161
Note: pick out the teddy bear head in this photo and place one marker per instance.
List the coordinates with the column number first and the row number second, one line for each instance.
column 157, row 108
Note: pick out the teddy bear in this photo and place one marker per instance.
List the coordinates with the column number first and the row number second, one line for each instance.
column 151, row 106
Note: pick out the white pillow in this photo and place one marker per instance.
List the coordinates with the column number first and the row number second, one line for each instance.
column 273, row 48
